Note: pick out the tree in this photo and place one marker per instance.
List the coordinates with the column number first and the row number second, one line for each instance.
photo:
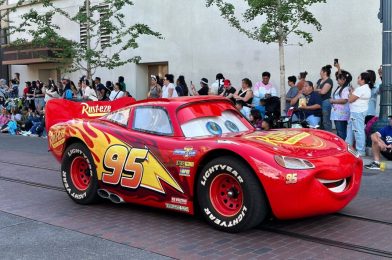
column 100, row 21
column 279, row 19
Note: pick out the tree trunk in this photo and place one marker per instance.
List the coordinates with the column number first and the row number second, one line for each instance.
column 282, row 89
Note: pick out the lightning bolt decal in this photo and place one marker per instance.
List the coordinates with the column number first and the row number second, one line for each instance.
column 154, row 173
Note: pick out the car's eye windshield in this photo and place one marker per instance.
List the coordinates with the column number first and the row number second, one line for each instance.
column 228, row 122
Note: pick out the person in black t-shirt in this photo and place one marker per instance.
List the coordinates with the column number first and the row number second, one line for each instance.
column 228, row 90
column 204, row 88
column 309, row 105
column 324, row 88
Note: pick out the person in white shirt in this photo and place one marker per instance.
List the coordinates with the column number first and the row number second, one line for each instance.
column 261, row 88
column 88, row 93
column 116, row 93
column 245, row 110
column 359, row 104
column 217, row 87
column 168, row 89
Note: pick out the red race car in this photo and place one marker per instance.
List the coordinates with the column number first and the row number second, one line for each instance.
column 200, row 154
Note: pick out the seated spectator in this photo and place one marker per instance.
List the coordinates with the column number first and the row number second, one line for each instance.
column 228, row 90
column 309, row 105
column 261, row 107
column 88, row 92
column 203, row 91
column 267, row 124
column 256, row 119
column 241, row 106
column 381, row 145
column 4, row 117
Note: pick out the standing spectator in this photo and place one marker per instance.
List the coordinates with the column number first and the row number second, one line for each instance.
column 123, row 86
column 169, row 90
column 68, row 93
column 30, row 96
column 88, row 93
column 340, row 112
column 375, row 90
column 228, row 90
column 381, row 144
column 203, row 91
column 359, row 105
column 245, row 93
column 309, row 104
column 117, row 92
column 263, row 87
column 98, row 83
column 217, row 87
column 39, row 96
column 155, row 88
column 293, row 91
column 109, row 85
column 324, row 88
column 13, row 91
column 301, row 80
column 182, row 87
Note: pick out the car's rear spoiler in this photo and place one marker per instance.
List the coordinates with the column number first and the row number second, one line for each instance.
column 62, row 110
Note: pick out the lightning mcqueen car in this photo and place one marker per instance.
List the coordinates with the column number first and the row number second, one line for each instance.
column 201, row 154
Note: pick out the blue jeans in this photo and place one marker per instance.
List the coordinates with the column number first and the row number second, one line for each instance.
column 327, row 123
column 313, row 120
column 356, row 131
column 341, row 129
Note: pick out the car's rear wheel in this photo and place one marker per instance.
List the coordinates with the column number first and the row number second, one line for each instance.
column 79, row 174
column 230, row 195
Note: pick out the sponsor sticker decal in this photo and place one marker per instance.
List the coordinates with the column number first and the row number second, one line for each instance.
column 177, row 207
column 186, row 152
column 185, row 164
column 97, row 110
column 179, row 200
column 57, row 137
column 185, row 172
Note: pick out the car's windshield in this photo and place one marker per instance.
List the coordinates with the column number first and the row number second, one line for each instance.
column 227, row 122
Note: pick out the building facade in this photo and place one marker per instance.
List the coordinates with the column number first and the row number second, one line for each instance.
column 199, row 43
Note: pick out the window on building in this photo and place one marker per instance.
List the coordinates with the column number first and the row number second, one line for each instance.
column 103, row 28
column 83, row 29
column 153, row 120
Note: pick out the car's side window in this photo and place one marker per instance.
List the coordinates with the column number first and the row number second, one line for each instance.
column 120, row 117
column 152, row 119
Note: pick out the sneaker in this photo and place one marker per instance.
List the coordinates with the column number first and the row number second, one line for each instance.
column 373, row 166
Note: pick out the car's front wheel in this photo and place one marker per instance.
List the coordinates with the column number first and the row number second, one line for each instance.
column 230, row 196
column 78, row 174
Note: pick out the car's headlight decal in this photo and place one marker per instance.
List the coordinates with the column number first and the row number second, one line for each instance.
column 293, row 163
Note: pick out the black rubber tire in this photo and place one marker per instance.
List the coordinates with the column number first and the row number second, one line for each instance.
column 90, row 195
column 254, row 209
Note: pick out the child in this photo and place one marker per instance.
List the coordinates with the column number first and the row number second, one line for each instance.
column 256, row 119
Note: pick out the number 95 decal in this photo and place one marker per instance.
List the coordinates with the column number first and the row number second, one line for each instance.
column 133, row 168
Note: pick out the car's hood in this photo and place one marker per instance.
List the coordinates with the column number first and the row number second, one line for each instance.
column 304, row 143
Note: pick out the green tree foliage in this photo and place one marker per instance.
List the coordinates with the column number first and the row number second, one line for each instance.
column 272, row 21
column 42, row 31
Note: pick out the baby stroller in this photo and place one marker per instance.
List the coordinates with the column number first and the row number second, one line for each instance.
column 272, row 110
column 295, row 118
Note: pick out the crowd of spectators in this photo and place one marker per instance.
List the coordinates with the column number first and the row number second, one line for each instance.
column 349, row 106
column 25, row 115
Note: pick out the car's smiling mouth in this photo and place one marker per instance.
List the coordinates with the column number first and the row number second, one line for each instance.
column 336, row 186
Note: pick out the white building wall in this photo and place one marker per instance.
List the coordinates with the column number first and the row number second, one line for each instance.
column 199, row 43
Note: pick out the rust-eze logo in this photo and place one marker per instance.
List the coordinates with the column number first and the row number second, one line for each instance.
column 95, row 111
column 57, row 137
